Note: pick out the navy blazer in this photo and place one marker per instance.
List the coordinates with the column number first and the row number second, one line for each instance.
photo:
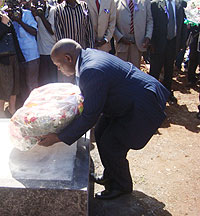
column 114, row 87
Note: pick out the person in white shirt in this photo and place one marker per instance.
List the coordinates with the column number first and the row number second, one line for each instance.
column 44, row 15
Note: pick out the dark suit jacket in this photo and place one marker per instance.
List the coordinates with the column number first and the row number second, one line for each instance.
column 117, row 88
column 4, row 29
column 160, row 20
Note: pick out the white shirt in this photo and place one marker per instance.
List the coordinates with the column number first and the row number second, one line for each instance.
column 44, row 39
column 77, row 74
column 98, row 1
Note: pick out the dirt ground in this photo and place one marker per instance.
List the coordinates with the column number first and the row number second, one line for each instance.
column 166, row 173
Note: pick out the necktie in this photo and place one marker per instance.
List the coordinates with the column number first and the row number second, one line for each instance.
column 131, row 7
column 171, row 22
column 98, row 5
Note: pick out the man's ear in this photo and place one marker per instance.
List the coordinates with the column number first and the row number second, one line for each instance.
column 68, row 58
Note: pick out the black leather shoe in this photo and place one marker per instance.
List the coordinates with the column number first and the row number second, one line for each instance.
column 172, row 99
column 198, row 115
column 109, row 194
column 99, row 179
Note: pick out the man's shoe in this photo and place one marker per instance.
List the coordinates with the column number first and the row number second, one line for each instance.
column 172, row 99
column 109, row 194
column 99, row 179
column 198, row 115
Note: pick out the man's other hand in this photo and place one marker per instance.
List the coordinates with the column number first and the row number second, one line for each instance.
column 145, row 43
column 48, row 140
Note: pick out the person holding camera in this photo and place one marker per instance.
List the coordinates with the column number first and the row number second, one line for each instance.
column 26, row 28
column 9, row 69
column 44, row 15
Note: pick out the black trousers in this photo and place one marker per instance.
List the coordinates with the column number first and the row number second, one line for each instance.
column 194, row 60
column 166, row 60
column 113, row 154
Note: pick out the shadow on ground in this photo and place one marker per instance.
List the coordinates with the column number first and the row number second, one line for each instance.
column 135, row 204
column 179, row 115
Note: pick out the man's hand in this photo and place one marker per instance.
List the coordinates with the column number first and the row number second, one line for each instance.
column 5, row 19
column 17, row 16
column 125, row 40
column 49, row 140
column 146, row 42
column 99, row 43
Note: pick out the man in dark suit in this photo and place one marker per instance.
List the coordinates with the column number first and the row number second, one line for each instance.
column 169, row 36
column 126, row 105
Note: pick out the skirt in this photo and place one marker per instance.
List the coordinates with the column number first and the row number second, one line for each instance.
column 9, row 79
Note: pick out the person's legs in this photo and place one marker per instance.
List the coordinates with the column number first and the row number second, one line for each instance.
column 122, row 55
column 47, row 71
column 113, row 155
column 12, row 103
column 180, row 59
column 2, row 114
column 134, row 55
column 169, row 68
column 32, row 71
column 193, row 62
column 156, row 64
column 169, row 63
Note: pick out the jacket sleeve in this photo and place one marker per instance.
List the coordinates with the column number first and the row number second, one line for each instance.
column 94, row 88
column 112, row 22
column 149, row 21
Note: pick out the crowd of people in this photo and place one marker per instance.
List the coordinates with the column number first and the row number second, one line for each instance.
column 129, row 29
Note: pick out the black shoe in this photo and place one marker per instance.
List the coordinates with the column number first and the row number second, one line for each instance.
column 198, row 115
column 99, row 179
column 110, row 194
column 191, row 84
column 172, row 99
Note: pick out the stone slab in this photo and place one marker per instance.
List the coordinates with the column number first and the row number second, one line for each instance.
column 49, row 181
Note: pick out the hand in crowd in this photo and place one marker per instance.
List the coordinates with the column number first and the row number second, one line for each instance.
column 146, row 42
column 125, row 40
column 4, row 19
column 99, row 43
column 16, row 16
column 37, row 11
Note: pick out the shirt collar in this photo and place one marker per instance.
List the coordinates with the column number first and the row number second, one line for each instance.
column 77, row 73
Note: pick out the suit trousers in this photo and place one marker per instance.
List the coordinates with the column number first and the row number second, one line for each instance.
column 194, row 61
column 113, row 154
column 165, row 59
column 133, row 55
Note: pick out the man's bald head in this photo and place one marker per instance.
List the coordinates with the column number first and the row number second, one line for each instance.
column 66, row 46
column 64, row 54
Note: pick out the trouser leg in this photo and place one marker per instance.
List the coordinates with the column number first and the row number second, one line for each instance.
column 113, row 155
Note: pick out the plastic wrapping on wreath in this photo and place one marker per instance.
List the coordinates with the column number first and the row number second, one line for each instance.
column 48, row 109
column 192, row 12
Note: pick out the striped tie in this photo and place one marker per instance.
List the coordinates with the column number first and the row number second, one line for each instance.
column 98, row 5
column 131, row 7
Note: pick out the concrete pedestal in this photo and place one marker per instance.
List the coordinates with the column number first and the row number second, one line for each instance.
column 44, row 181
